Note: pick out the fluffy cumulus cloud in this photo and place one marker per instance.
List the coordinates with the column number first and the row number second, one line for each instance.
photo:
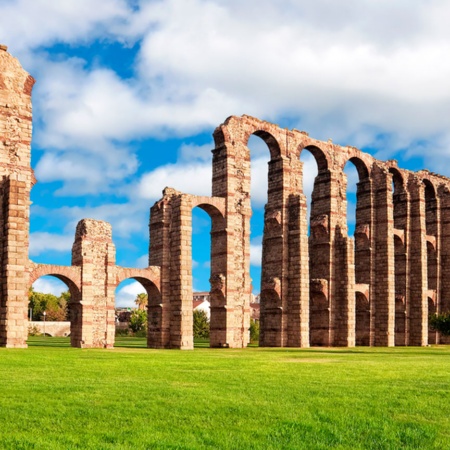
column 365, row 73
column 50, row 285
column 44, row 241
column 349, row 70
column 191, row 173
column 127, row 292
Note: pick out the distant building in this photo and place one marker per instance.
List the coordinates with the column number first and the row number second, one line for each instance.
column 200, row 302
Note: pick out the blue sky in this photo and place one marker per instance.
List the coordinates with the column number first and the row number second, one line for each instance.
column 128, row 94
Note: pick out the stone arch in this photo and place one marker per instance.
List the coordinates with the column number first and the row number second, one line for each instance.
column 432, row 310
column 320, row 156
column 149, row 278
column 400, row 204
column 319, row 319
column 71, row 276
column 432, row 243
column 218, row 262
column 320, row 249
column 361, row 167
column 237, row 130
column 430, row 208
column 400, row 320
column 363, row 317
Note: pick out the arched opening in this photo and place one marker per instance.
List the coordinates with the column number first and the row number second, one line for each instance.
column 432, row 252
column 258, row 190
column 266, row 237
column 351, row 197
column 316, row 184
column 310, row 171
column 202, row 235
column 209, row 254
column 358, row 223
column 319, row 320
column 432, row 287
column 55, row 309
column 400, row 291
column 138, row 313
column 400, row 213
column 362, row 313
column 432, row 335
column 400, row 321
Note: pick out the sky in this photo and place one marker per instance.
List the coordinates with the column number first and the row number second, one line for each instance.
column 128, row 94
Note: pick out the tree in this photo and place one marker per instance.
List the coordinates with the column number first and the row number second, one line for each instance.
column 141, row 301
column 201, row 324
column 55, row 307
column 441, row 323
column 138, row 320
column 254, row 330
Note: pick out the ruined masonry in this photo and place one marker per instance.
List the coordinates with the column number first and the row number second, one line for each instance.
column 326, row 289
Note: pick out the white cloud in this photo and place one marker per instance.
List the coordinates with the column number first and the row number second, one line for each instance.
column 41, row 242
column 127, row 292
column 50, row 285
column 193, row 178
column 33, row 24
column 349, row 71
column 256, row 251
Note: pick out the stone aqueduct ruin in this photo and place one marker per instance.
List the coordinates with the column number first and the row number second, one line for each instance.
column 377, row 288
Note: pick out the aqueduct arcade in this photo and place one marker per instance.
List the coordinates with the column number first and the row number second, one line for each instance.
column 319, row 286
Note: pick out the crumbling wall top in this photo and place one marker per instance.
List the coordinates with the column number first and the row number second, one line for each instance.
column 90, row 228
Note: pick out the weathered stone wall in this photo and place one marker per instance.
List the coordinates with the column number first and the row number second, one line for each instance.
column 16, row 180
column 318, row 286
column 54, row 329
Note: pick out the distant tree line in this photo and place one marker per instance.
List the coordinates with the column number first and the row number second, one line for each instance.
column 56, row 308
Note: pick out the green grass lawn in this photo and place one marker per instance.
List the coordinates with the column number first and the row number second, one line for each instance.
column 57, row 397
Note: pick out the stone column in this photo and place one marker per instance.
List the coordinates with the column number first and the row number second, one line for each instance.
column 94, row 251
column 278, row 325
column 320, row 269
column 444, row 305
column 418, row 308
column 298, row 295
column 181, row 324
column 16, row 180
column 231, row 180
column 160, row 222
column 383, row 289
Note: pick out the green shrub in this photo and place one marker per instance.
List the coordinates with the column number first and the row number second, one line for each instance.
column 201, row 324
column 254, row 331
column 122, row 332
column 441, row 323
column 138, row 320
column 33, row 330
column 141, row 333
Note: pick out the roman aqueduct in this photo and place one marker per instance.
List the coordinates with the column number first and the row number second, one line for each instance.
column 328, row 289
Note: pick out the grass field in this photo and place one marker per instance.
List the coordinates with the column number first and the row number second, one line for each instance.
column 56, row 397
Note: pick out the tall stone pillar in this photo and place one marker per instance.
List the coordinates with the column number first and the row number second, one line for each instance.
column 181, row 325
column 418, row 283
column 283, row 308
column 16, row 180
column 320, row 260
column 298, row 252
column 231, row 180
column 94, row 251
column 444, row 305
column 158, row 335
column 383, row 289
